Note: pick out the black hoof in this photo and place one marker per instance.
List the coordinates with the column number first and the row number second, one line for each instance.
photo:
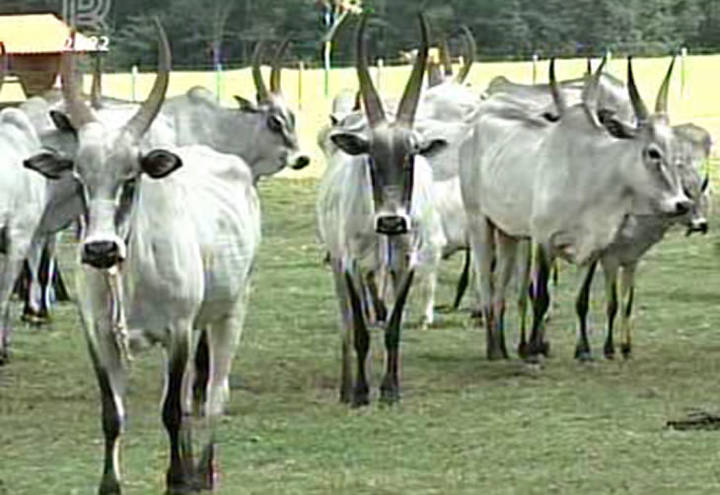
column 626, row 350
column 4, row 357
column 361, row 396
column 583, row 356
column 522, row 350
column 609, row 351
column 389, row 396
column 206, row 477
column 476, row 316
column 496, row 354
column 35, row 319
column 545, row 349
column 109, row 487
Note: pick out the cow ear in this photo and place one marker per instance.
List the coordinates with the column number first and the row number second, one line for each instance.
column 160, row 163
column 334, row 121
column 62, row 122
column 49, row 164
column 620, row 129
column 432, row 147
column 245, row 104
column 352, row 144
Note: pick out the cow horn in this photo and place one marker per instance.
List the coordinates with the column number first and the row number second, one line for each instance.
column 144, row 117
column 469, row 57
column 373, row 105
column 661, row 104
column 96, row 91
column 558, row 97
column 411, row 96
column 275, row 87
column 444, row 50
column 260, row 88
column 641, row 111
column 80, row 114
column 590, row 94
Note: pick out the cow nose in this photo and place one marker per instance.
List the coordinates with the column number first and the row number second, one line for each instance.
column 701, row 226
column 301, row 162
column 101, row 254
column 682, row 207
column 391, row 225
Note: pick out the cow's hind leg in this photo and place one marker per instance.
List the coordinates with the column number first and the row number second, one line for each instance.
column 525, row 261
column 541, row 301
column 346, row 376
column 628, row 295
column 463, row 282
column 506, row 258
column 582, row 348
column 610, row 271
column 180, row 474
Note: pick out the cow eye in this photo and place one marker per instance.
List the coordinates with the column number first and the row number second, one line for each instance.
column 654, row 154
column 274, row 124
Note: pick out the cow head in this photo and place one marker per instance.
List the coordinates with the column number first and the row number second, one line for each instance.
column 692, row 150
column 651, row 173
column 274, row 121
column 108, row 164
column 391, row 147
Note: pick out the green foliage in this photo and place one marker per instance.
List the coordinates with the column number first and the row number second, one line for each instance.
column 504, row 28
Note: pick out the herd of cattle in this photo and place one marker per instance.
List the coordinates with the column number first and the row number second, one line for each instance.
column 169, row 218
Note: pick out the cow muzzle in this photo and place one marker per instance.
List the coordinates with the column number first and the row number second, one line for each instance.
column 392, row 224
column 101, row 254
column 697, row 226
column 299, row 161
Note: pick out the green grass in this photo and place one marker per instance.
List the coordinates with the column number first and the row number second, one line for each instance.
column 464, row 425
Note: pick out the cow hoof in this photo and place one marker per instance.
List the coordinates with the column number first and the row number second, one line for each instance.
column 497, row 354
column 4, row 357
column 545, row 349
column 626, row 350
column 361, row 396
column 609, row 352
column 522, row 350
column 109, row 486
column 35, row 320
column 389, row 396
column 207, row 476
column 583, row 356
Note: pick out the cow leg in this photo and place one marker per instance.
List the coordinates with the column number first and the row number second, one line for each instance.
column 10, row 270
column 361, row 338
column 610, row 270
column 483, row 247
column 390, row 387
column 582, row 348
column 346, row 377
column 222, row 341
column 38, row 264
column 463, row 282
column 201, row 373
column 627, row 295
column 541, row 301
column 380, row 311
column 506, row 262
column 428, row 286
column 179, row 479
column 524, row 287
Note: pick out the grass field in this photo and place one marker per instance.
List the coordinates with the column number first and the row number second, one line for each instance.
column 698, row 102
column 464, row 425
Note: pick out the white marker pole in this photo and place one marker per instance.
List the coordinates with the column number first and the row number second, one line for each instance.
column 133, row 83
column 535, row 59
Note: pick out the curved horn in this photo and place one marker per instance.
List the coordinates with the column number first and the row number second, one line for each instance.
column 444, row 50
column 641, row 111
column 260, row 88
column 277, row 67
column 79, row 113
column 590, row 95
column 411, row 95
column 144, row 117
column 470, row 54
column 661, row 103
column 96, row 91
column 557, row 95
column 373, row 105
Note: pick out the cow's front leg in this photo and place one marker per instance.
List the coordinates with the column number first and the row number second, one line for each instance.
column 390, row 387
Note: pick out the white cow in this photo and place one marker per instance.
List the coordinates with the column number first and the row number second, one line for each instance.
column 373, row 213
column 167, row 246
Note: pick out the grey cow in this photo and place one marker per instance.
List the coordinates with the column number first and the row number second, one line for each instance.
column 167, row 245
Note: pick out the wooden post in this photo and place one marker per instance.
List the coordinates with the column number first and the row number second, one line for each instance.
column 133, row 83
column 301, row 71
column 378, row 75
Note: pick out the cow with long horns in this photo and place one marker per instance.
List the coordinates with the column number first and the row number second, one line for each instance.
column 572, row 184
column 168, row 240
column 374, row 208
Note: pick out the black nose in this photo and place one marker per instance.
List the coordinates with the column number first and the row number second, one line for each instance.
column 101, row 254
column 301, row 162
column 391, row 225
column 682, row 207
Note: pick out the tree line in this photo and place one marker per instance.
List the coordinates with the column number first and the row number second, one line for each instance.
column 205, row 32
